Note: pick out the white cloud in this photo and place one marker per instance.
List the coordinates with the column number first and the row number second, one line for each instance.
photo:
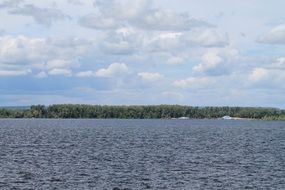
column 150, row 77
column 123, row 41
column 122, row 47
column 6, row 73
column 117, row 8
column 206, row 38
column 113, row 14
column 20, row 49
column 98, row 22
column 126, row 31
column 279, row 64
column 64, row 72
column 209, row 61
column 175, row 60
column 41, row 74
column 274, row 36
column 69, row 42
column 112, row 70
column 130, row 40
column 193, row 82
column 175, row 95
column 167, row 20
column 58, row 63
column 164, row 41
column 84, row 74
column 258, row 74
column 171, row 41
column 219, row 61
column 203, row 60
column 269, row 74
column 17, row 53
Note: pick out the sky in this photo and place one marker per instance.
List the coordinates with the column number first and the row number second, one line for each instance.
column 142, row 52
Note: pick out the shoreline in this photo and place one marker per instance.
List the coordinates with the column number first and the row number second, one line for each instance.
column 220, row 119
column 180, row 112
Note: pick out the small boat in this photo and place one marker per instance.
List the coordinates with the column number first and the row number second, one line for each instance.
column 227, row 117
column 183, row 118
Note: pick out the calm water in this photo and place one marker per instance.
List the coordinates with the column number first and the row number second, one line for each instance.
column 142, row 154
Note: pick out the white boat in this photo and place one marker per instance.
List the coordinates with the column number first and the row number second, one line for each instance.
column 183, row 118
column 227, row 117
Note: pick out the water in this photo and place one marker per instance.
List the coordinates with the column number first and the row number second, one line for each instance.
column 141, row 154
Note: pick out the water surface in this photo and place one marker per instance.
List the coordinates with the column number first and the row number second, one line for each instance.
column 141, row 154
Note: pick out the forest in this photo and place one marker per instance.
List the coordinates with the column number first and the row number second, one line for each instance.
column 140, row 112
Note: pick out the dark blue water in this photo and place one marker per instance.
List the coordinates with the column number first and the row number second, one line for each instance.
column 142, row 154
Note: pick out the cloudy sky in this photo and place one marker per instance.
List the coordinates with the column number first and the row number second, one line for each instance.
column 189, row 52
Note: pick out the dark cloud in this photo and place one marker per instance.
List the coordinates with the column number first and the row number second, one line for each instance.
column 169, row 21
column 112, row 14
column 43, row 16
column 75, row 2
column 10, row 4
column 98, row 22
column 2, row 32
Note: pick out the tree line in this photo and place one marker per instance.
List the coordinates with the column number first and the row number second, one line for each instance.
column 140, row 112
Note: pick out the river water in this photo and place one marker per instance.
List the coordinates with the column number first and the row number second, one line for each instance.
column 141, row 154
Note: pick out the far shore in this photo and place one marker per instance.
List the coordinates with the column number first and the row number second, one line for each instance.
column 77, row 111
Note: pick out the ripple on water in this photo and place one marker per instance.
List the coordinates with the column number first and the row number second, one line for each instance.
column 141, row 154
